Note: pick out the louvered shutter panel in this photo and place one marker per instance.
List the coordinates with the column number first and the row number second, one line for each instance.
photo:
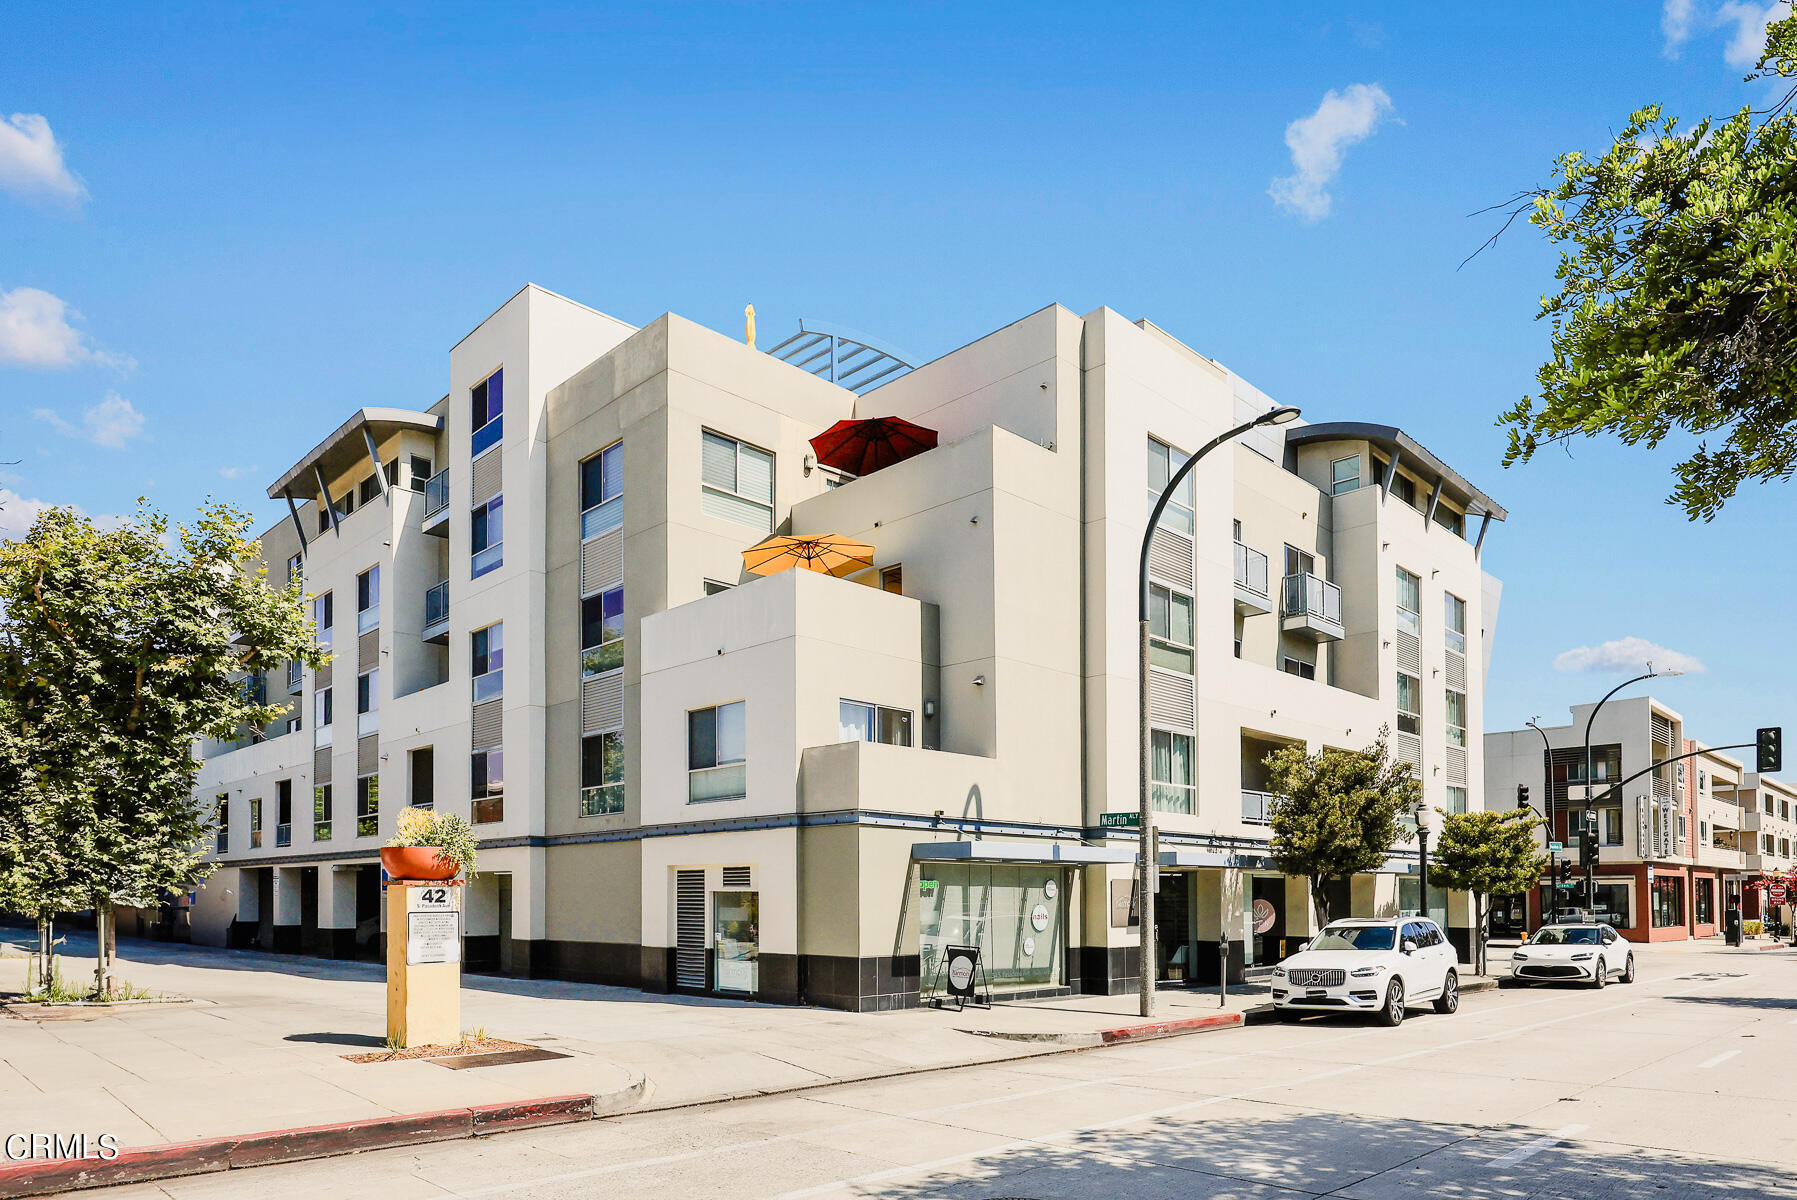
column 1170, row 700
column 689, row 918
column 368, row 650
column 321, row 765
column 486, row 477
column 736, row 877
column 1457, row 671
column 717, row 462
column 1456, row 764
column 602, row 563
column 488, row 725
column 1170, row 558
column 601, row 703
column 1410, row 654
column 755, row 475
column 368, row 755
column 1410, row 750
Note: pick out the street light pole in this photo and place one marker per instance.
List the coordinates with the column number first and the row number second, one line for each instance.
column 1547, row 794
column 1146, row 863
column 1590, row 813
column 1422, row 853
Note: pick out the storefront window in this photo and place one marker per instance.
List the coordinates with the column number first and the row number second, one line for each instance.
column 1703, row 901
column 1668, row 901
column 1613, row 904
column 1014, row 914
column 736, row 936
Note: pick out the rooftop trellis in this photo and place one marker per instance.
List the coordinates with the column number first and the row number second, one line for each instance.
column 844, row 357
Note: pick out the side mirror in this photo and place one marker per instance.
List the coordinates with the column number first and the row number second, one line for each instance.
column 1302, row 947
column 1409, row 946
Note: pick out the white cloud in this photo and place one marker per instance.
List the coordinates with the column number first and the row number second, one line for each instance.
column 237, row 472
column 31, row 161
column 1750, row 21
column 1318, row 141
column 35, row 332
column 17, row 514
column 110, row 423
column 1677, row 18
column 1627, row 654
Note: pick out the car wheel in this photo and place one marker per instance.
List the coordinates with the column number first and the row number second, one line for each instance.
column 1449, row 1000
column 1600, row 973
column 1628, row 969
column 1393, row 1013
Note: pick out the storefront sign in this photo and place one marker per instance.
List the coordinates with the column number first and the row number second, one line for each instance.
column 1039, row 917
column 963, row 964
column 1264, row 915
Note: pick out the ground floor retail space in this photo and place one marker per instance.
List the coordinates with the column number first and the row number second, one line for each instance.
column 1646, row 902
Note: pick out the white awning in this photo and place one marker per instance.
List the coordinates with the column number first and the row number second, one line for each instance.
column 1021, row 852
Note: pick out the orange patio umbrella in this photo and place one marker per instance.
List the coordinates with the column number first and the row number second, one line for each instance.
column 827, row 554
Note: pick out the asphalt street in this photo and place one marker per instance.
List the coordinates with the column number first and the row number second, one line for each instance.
column 1674, row 1086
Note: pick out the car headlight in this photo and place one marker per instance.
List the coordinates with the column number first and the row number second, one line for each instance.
column 1518, row 954
column 1366, row 972
column 1278, row 972
column 1582, row 957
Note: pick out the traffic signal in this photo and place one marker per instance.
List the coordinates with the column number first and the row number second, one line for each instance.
column 1566, row 873
column 1587, row 850
column 1522, row 795
column 1769, row 747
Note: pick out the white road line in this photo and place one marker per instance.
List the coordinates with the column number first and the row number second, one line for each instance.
column 1718, row 1060
column 1531, row 1149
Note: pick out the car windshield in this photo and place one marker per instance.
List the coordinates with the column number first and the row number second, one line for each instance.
column 1356, row 937
column 1566, row 937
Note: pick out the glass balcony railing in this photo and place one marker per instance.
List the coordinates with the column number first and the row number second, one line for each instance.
column 1257, row 807
column 1308, row 596
column 1250, row 569
column 367, row 723
column 223, row 841
column 283, row 835
column 436, row 493
column 436, row 605
column 602, row 518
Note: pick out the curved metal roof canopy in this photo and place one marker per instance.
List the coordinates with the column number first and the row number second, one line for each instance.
column 1402, row 447
column 338, row 452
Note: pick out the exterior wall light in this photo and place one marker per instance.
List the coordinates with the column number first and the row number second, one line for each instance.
column 979, row 681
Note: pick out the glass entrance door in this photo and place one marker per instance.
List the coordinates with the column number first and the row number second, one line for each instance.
column 736, row 940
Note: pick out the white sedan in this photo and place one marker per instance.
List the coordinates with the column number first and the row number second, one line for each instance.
column 1371, row 966
column 1576, row 952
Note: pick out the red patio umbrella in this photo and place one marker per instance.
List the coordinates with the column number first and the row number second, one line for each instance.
column 863, row 446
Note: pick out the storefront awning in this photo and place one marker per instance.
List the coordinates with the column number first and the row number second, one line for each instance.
column 1019, row 852
column 1215, row 858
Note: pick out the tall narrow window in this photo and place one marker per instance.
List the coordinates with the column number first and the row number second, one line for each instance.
column 1171, row 757
column 602, row 632
column 1456, row 717
column 602, row 774
column 1454, row 622
column 738, row 481
column 1410, row 602
column 1170, row 629
column 296, row 566
column 368, row 806
column 487, row 408
column 716, row 753
column 1410, row 711
column 486, row 537
column 1299, row 562
column 487, row 786
column 284, row 812
column 321, row 813
column 368, row 702
column 321, row 715
column 222, row 841
column 421, row 472
column 368, row 599
column 602, row 491
column 1344, row 474
column 321, row 618
column 487, row 662
column 370, row 489
column 424, row 777
column 1163, row 461
column 256, row 823
column 1456, row 799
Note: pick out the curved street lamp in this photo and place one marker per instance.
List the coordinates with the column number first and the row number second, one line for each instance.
column 1590, row 813
column 1145, row 859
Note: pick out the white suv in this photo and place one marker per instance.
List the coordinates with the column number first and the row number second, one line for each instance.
column 1372, row 966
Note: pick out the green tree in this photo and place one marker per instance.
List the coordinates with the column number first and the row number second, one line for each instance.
column 122, row 648
column 1338, row 812
column 1677, row 304
column 1488, row 854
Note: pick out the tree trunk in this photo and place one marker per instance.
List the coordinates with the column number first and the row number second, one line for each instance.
column 1478, row 933
column 1319, row 895
column 102, row 973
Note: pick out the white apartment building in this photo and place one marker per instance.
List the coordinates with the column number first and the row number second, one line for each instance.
column 803, row 788
column 1675, row 846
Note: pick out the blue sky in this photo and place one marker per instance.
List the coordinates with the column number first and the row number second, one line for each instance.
column 231, row 227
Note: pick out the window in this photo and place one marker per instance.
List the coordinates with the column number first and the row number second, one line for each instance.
column 602, row 491
column 1170, row 755
column 321, row 708
column 255, row 822
column 345, row 504
column 486, row 409
column 1170, row 629
column 283, row 812
column 738, row 482
column 486, row 536
column 1410, row 713
column 368, row 600
column 1410, row 602
column 1766, row 843
column 1450, row 520
column 421, row 472
column 714, row 586
column 487, row 661
column 1344, row 475
column 1404, row 488
column 1456, row 718
column 1290, row 665
column 1784, row 847
column 1456, row 799
column 321, row 618
column 1299, row 562
column 1668, row 901
column 602, row 632
column 487, row 786
column 324, row 518
column 1613, row 904
column 1612, row 826
column 222, row 842
column 1163, row 462
column 424, row 778
column 602, row 774
column 1784, row 810
column 368, row 806
column 1454, row 622
column 874, row 723
column 1703, row 901
column 296, row 566
column 1768, row 806
column 321, row 813
column 892, row 579
column 716, row 751
column 368, row 702
column 370, row 489
column 391, row 470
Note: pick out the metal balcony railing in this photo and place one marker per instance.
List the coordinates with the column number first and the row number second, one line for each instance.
column 1308, row 596
column 1250, row 569
column 283, row 835
column 1257, row 807
column 436, row 493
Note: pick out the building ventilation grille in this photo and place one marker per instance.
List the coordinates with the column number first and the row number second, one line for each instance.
column 602, row 562
column 601, row 702
column 486, row 478
column 368, row 650
column 321, row 765
column 1170, row 699
column 1457, row 671
column 1410, row 654
column 489, row 725
column 1456, row 764
column 1170, row 558
column 736, row 877
column 689, row 916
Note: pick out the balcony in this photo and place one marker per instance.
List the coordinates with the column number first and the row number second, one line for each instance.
column 1312, row 608
column 436, row 504
column 436, row 614
column 1251, row 596
column 1257, row 807
column 368, row 723
column 283, row 835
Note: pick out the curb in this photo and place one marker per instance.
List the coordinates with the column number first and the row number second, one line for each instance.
column 210, row 1155
column 1122, row 1033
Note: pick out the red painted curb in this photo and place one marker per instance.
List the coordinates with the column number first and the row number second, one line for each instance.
column 1160, row 1029
column 289, row 1145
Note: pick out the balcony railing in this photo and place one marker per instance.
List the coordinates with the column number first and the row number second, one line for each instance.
column 436, row 493
column 1257, row 807
column 436, row 612
column 1250, row 569
column 1308, row 596
column 367, row 723
column 283, row 835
